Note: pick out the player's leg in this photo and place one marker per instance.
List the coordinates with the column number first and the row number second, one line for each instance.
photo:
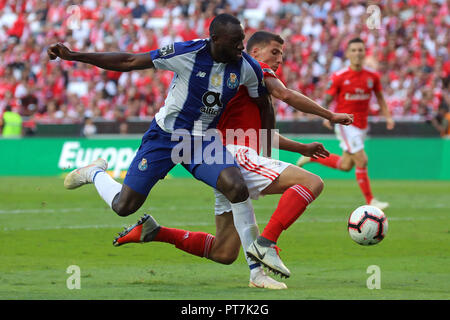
column 222, row 248
column 298, row 188
column 362, row 177
column 147, row 229
column 346, row 136
column 232, row 185
column 259, row 172
column 228, row 243
column 226, row 246
column 150, row 164
column 346, row 163
column 332, row 161
column 224, row 175
column 121, row 198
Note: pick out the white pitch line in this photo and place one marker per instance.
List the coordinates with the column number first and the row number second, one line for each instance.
column 208, row 224
column 206, row 208
column 21, row 211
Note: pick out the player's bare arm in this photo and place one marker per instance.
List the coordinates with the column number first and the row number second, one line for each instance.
column 314, row 150
column 267, row 114
column 327, row 102
column 116, row 61
column 385, row 110
column 303, row 103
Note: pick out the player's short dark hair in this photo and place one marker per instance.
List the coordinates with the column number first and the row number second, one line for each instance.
column 220, row 21
column 355, row 40
column 263, row 37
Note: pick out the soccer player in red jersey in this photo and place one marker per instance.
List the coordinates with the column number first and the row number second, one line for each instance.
column 263, row 176
column 353, row 87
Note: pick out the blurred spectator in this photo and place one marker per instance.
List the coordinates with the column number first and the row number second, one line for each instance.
column 11, row 123
column 442, row 119
column 410, row 50
column 89, row 128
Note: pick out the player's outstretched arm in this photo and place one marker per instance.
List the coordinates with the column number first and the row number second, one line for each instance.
column 116, row 61
column 314, row 150
column 303, row 103
column 267, row 114
column 385, row 110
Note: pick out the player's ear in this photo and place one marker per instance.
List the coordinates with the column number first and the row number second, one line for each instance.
column 255, row 51
column 214, row 37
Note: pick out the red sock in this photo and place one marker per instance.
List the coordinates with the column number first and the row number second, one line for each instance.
column 292, row 204
column 332, row 161
column 364, row 184
column 196, row 243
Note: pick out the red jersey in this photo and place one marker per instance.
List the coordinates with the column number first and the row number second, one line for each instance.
column 242, row 114
column 353, row 90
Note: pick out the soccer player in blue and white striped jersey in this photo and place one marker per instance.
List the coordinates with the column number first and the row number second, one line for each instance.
column 207, row 74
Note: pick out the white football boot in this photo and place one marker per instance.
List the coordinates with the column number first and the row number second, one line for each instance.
column 303, row 160
column 84, row 175
column 269, row 257
column 379, row 204
column 260, row 279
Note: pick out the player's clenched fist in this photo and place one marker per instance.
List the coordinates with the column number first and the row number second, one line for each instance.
column 59, row 50
column 342, row 118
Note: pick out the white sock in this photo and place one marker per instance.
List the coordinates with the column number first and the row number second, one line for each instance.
column 245, row 224
column 106, row 186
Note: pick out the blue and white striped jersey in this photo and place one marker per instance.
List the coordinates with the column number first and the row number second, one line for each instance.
column 201, row 87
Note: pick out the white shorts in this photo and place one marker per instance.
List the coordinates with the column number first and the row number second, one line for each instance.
column 351, row 138
column 259, row 172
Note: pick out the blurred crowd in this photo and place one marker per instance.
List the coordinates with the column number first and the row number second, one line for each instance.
column 407, row 43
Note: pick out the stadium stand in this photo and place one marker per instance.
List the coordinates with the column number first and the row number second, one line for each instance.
column 410, row 49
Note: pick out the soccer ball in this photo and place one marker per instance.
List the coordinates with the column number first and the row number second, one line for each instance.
column 367, row 225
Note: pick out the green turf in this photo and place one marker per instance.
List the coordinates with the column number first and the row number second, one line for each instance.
column 45, row 228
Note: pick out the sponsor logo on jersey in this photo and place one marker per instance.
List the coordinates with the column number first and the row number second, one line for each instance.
column 211, row 103
column 201, row 74
column 216, row 80
column 166, row 50
column 232, row 81
column 357, row 96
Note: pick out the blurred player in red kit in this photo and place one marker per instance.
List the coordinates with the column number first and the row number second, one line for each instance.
column 353, row 87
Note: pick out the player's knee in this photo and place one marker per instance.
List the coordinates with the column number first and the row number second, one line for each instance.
column 346, row 167
column 233, row 186
column 364, row 163
column 316, row 185
column 123, row 209
column 237, row 193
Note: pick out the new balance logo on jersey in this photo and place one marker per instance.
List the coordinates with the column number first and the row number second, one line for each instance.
column 201, row 74
column 346, row 82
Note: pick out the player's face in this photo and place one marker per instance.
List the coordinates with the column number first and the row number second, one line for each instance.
column 356, row 53
column 230, row 44
column 271, row 54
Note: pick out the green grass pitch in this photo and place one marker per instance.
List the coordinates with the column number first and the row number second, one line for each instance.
column 44, row 229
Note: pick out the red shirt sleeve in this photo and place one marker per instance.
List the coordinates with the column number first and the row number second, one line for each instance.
column 377, row 85
column 267, row 71
column 332, row 86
